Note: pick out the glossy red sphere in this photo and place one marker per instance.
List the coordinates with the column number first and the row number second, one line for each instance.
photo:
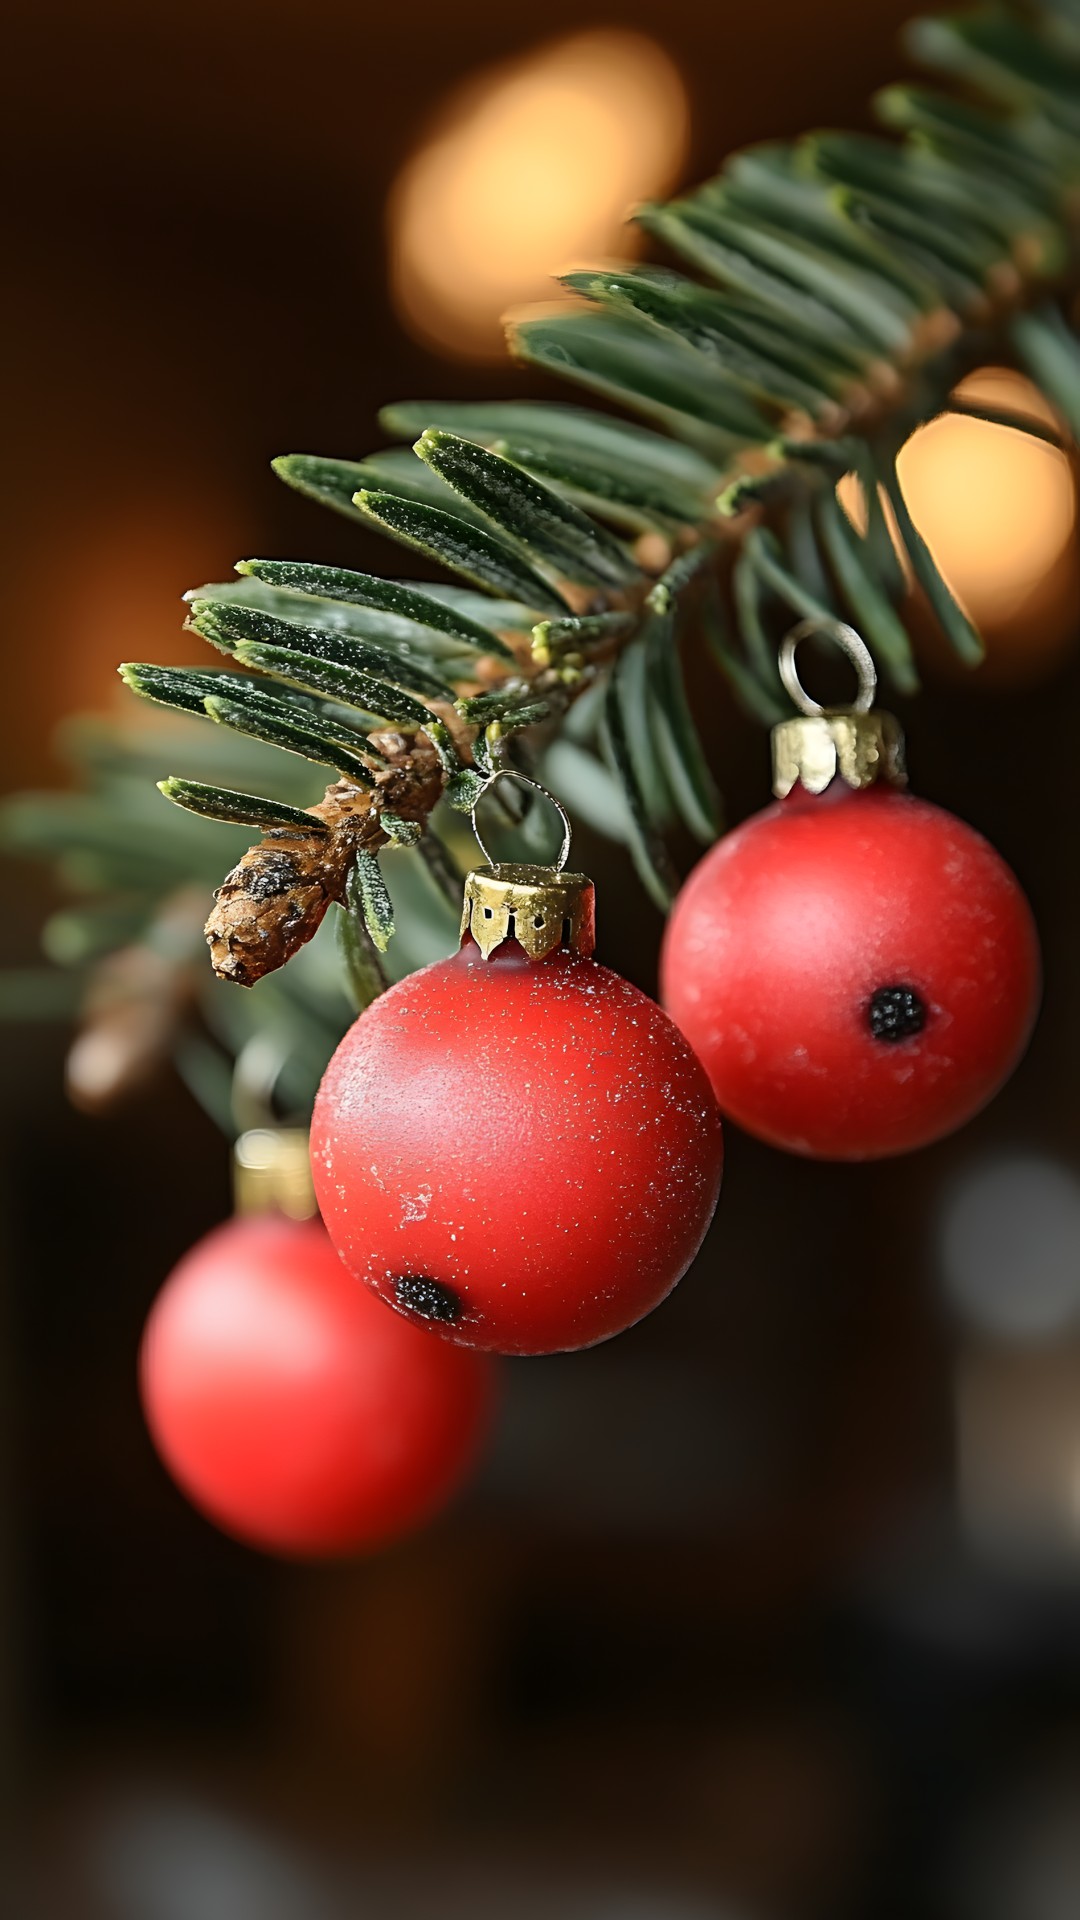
column 290, row 1408
column 524, row 1154
column 859, row 972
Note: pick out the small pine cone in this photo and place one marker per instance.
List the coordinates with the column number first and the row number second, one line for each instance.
column 276, row 897
column 268, row 906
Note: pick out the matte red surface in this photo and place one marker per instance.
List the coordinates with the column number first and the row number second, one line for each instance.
column 789, row 925
column 537, row 1137
column 290, row 1408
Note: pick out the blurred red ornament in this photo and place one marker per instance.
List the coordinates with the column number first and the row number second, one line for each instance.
column 290, row 1408
column 858, row 970
column 521, row 1151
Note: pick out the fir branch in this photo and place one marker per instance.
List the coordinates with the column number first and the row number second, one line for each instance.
column 401, row 603
column 359, row 951
column 831, row 294
column 276, row 897
column 240, row 809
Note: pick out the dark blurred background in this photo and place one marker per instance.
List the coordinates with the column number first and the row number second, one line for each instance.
column 771, row 1607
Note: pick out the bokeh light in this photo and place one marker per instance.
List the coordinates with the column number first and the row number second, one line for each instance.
column 1018, row 1454
column 531, row 167
column 997, row 508
column 111, row 590
column 1010, row 1248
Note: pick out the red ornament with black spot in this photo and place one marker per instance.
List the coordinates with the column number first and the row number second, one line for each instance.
column 858, row 970
column 287, row 1406
column 515, row 1146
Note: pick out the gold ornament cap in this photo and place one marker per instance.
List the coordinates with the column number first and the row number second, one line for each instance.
column 272, row 1173
column 860, row 744
column 540, row 907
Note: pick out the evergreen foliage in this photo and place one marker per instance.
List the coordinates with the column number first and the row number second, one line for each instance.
column 822, row 299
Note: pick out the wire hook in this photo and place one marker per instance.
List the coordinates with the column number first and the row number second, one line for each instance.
column 848, row 641
column 511, row 773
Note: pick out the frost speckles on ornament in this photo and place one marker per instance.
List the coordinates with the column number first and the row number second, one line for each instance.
column 415, row 1206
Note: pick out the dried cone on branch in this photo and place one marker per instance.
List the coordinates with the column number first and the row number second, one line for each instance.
column 824, row 299
column 276, row 896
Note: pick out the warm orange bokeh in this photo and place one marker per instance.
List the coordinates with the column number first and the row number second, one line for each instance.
column 998, row 509
column 532, row 165
column 110, row 591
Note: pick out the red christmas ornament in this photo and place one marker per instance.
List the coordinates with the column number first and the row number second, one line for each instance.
column 290, row 1408
column 857, row 969
column 515, row 1146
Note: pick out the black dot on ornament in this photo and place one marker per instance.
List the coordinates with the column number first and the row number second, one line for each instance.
column 896, row 1013
column 431, row 1299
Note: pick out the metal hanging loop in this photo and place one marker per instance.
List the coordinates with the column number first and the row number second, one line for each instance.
column 511, row 773
column 849, row 642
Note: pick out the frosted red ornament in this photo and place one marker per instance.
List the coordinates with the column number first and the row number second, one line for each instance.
column 290, row 1408
column 515, row 1146
column 858, row 970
